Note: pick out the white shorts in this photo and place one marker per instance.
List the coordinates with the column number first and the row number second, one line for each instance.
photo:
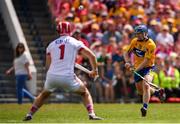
column 67, row 83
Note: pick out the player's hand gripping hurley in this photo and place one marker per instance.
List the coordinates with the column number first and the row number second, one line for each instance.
column 129, row 66
column 80, row 67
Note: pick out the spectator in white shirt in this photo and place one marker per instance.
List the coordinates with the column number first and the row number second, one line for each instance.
column 165, row 40
column 22, row 73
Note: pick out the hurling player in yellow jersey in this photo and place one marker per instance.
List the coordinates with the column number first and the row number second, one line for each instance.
column 144, row 57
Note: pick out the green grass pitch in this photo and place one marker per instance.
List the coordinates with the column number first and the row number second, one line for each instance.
column 76, row 113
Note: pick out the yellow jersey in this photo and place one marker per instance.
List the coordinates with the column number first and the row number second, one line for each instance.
column 142, row 50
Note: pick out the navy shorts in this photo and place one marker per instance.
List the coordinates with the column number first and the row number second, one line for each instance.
column 142, row 72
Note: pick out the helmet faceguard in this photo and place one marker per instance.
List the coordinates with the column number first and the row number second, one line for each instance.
column 141, row 32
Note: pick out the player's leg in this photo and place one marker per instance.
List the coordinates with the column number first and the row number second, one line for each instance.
column 87, row 99
column 145, row 97
column 146, row 91
column 39, row 101
column 160, row 93
column 37, row 104
column 139, row 87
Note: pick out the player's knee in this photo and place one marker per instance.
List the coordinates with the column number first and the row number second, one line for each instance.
column 146, row 87
column 140, row 92
column 139, row 88
column 85, row 92
column 44, row 95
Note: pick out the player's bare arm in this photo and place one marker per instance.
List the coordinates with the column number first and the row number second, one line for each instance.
column 28, row 70
column 48, row 61
column 126, row 54
column 127, row 60
column 92, row 58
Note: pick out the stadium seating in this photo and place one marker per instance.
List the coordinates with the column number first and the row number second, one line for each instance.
column 7, row 83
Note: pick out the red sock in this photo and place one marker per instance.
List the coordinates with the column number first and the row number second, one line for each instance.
column 89, row 108
column 33, row 109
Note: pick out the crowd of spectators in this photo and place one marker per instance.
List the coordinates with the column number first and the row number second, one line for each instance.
column 107, row 26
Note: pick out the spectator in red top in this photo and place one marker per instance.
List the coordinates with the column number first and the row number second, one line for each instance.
column 77, row 34
column 98, row 7
column 63, row 9
column 111, row 48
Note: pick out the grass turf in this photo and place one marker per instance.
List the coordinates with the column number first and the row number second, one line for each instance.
column 76, row 113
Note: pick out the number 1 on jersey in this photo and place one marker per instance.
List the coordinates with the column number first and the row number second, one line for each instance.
column 62, row 47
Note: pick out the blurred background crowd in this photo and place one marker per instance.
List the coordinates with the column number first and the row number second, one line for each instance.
column 107, row 27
